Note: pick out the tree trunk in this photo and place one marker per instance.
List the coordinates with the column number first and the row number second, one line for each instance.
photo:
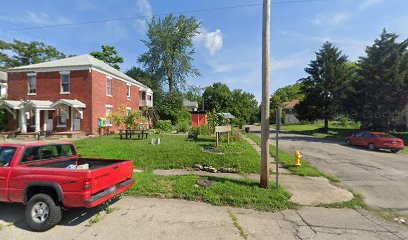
column 326, row 125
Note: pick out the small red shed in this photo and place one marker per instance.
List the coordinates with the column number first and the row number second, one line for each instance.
column 198, row 118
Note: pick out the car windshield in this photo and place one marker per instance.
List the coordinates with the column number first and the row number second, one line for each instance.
column 385, row 135
column 6, row 154
column 37, row 153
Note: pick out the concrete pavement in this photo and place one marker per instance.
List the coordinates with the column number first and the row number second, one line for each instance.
column 380, row 176
column 148, row 218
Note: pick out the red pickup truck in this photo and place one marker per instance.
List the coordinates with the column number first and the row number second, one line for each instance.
column 47, row 177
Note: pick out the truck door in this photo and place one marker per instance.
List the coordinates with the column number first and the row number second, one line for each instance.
column 6, row 155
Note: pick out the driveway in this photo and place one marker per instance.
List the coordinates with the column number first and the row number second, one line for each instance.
column 145, row 218
column 380, row 176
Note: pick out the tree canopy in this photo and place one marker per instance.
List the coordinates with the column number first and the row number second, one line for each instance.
column 19, row 53
column 109, row 55
column 324, row 87
column 170, row 50
column 382, row 85
column 286, row 94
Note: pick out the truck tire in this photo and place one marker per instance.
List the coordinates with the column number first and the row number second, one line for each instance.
column 42, row 213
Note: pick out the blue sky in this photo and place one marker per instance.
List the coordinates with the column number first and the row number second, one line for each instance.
column 229, row 47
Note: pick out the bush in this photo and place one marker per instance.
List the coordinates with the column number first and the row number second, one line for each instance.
column 203, row 129
column 164, row 125
column 183, row 126
column 239, row 122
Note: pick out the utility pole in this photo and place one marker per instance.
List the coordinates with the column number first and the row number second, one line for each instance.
column 266, row 74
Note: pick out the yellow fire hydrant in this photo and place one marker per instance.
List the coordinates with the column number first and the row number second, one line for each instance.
column 298, row 158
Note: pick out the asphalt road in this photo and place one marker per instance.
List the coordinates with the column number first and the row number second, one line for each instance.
column 380, row 176
column 145, row 218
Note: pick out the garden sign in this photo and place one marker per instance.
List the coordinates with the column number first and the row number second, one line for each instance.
column 222, row 129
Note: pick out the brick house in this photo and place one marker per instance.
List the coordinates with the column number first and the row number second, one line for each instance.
column 69, row 95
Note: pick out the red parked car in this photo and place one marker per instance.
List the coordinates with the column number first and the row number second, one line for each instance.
column 47, row 177
column 376, row 140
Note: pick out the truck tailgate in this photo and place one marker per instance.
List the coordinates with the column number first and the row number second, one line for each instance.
column 105, row 177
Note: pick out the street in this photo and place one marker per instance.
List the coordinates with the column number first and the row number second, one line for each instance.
column 146, row 218
column 380, row 176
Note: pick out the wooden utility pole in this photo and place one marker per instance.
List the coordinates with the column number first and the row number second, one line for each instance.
column 266, row 74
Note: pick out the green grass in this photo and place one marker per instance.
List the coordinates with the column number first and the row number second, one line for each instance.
column 173, row 152
column 237, row 193
column 287, row 161
column 356, row 203
column 336, row 131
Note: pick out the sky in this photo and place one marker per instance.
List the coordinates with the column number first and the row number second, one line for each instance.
column 229, row 47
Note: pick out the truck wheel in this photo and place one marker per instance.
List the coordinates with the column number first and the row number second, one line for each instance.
column 394, row 150
column 42, row 213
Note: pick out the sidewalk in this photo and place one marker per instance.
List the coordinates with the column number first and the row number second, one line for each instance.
column 149, row 218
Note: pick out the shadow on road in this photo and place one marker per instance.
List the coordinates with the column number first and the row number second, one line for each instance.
column 13, row 214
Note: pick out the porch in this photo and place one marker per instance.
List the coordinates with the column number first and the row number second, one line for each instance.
column 34, row 116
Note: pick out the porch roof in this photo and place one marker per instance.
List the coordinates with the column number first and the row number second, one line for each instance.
column 69, row 102
column 39, row 104
column 11, row 104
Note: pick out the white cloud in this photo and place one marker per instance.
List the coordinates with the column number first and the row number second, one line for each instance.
column 331, row 19
column 143, row 8
column 213, row 41
column 35, row 18
column 368, row 3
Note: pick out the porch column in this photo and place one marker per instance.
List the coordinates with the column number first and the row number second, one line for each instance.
column 45, row 120
column 23, row 121
column 37, row 120
column 72, row 119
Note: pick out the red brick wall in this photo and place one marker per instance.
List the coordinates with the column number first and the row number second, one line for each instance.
column 86, row 86
column 118, row 98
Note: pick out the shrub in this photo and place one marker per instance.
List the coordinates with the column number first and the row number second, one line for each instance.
column 203, row 130
column 164, row 125
column 239, row 122
column 183, row 126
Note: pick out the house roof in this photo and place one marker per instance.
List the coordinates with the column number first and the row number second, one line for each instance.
column 226, row 115
column 188, row 103
column 291, row 104
column 85, row 60
column 3, row 76
column 69, row 102
column 45, row 104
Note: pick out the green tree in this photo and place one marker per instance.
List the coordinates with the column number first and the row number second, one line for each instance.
column 170, row 50
column 244, row 106
column 383, row 81
column 171, row 108
column 146, row 79
column 323, row 88
column 19, row 53
column 194, row 93
column 109, row 55
column 217, row 96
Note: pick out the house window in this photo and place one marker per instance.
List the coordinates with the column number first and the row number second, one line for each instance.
column 108, row 113
column 62, row 119
column 65, row 82
column 32, row 84
column 128, row 92
column 109, row 86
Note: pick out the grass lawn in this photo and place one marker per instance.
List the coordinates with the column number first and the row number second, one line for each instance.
column 336, row 132
column 173, row 152
column 238, row 193
column 287, row 161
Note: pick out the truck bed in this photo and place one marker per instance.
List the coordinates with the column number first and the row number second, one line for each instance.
column 93, row 163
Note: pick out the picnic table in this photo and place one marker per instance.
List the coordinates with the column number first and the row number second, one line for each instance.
column 128, row 133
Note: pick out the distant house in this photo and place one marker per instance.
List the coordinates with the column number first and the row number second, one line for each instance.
column 191, row 106
column 3, row 84
column 70, row 95
column 290, row 112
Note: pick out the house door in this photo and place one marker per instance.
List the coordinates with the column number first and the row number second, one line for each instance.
column 50, row 121
column 77, row 124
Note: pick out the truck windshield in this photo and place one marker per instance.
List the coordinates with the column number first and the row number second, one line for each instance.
column 46, row 152
column 6, row 154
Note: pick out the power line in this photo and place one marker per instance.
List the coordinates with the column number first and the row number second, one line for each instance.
column 156, row 15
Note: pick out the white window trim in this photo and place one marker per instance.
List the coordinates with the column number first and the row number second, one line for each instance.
column 61, row 74
column 28, row 83
column 129, row 96
column 107, row 79
column 111, row 110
